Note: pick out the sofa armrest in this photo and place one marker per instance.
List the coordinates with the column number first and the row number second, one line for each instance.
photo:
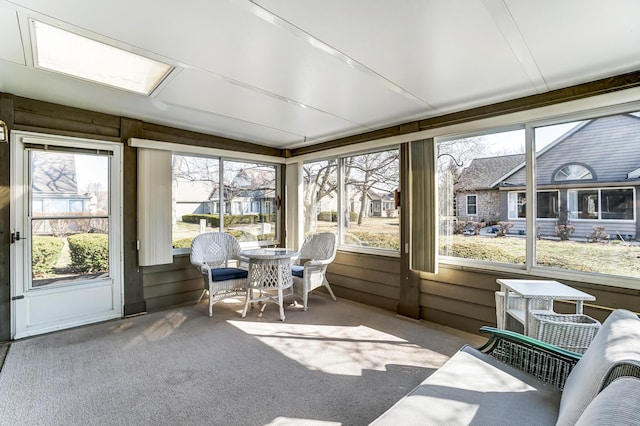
column 548, row 363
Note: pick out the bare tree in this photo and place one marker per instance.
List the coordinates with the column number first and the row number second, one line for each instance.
column 320, row 180
column 371, row 173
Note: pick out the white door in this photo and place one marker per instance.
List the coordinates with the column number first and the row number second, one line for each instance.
column 65, row 231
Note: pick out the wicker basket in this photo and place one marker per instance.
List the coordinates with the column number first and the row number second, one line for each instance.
column 573, row 332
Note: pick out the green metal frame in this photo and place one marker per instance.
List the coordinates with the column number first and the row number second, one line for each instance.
column 546, row 362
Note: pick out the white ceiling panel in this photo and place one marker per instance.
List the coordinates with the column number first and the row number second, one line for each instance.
column 256, row 52
column 446, row 53
column 575, row 41
column 202, row 91
column 287, row 73
column 10, row 40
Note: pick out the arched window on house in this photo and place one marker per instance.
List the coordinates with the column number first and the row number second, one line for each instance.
column 574, row 172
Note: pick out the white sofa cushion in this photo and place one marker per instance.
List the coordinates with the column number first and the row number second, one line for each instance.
column 473, row 388
column 618, row 340
column 616, row 405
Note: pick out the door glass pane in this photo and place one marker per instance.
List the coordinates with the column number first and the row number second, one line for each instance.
column 69, row 216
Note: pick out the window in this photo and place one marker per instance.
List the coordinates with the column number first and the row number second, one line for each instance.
column 248, row 192
column 547, row 205
column 585, row 208
column 489, row 165
column 517, row 205
column 361, row 201
column 593, row 221
column 368, row 179
column 472, row 205
column 601, row 204
column 573, row 172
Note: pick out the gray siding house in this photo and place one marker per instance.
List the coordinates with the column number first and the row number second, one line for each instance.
column 587, row 178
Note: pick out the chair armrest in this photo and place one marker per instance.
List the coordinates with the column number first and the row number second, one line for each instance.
column 312, row 263
column 546, row 362
column 204, row 269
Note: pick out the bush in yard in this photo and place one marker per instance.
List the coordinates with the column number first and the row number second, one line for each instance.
column 386, row 241
column 89, row 252
column 46, row 252
column 183, row 242
column 503, row 228
column 328, row 216
column 564, row 231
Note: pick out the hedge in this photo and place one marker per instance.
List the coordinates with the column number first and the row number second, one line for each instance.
column 89, row 252
column 46, row 252
column 332, row 216
column 241, row 236
column 213, row 220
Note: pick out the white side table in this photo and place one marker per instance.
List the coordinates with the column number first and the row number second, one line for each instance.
column 538, row 289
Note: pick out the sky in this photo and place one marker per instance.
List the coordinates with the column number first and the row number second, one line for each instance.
column 513, row 142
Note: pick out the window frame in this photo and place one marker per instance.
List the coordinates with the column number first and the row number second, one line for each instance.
column 222, row 160
column 539, row 191
column 467, row 204
column 599, row 190
column 339, row 159
column 530, row 268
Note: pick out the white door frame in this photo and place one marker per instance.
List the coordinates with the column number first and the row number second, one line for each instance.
column 27, row 304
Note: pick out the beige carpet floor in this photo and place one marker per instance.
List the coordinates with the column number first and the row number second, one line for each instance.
column 339, row 363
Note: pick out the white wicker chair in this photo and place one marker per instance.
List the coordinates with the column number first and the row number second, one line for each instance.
column 217, row 255
column 317, row 252
column 572, row 332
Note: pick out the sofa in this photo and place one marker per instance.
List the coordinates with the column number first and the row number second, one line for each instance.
column 515, row 379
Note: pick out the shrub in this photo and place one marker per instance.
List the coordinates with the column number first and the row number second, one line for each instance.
column 503, row 228
column 183, row 242
column 386, row 241
column 564, row 231
column 598, row 234
column 46, row 252
column 213, row 220
column 459, row 226
column 328, row 216
column 89, row 252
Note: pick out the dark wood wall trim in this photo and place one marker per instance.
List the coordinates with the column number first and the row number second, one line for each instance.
column 409, row 298
column 580, row 91
column 45, row 117
column 134, row 302
column 6, row 115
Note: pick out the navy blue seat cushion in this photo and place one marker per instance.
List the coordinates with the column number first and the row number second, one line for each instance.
column 297, row 271
column 224, row 274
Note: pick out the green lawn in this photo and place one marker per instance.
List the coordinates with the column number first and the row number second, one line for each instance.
column 609, row 258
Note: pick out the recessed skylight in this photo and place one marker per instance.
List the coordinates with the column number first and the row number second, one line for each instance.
column 68, row 53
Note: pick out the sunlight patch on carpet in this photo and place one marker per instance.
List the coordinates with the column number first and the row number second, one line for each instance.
column 341, row 349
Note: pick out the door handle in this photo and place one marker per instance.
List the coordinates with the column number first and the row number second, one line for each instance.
column 18, row 297
column 15, row 236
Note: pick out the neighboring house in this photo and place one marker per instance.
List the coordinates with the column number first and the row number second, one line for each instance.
column 381, row 205
column 250, row 192
column 55, row 193
column 476, row 199
column 54, row 186
column 192, row 197
column 588, row 177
